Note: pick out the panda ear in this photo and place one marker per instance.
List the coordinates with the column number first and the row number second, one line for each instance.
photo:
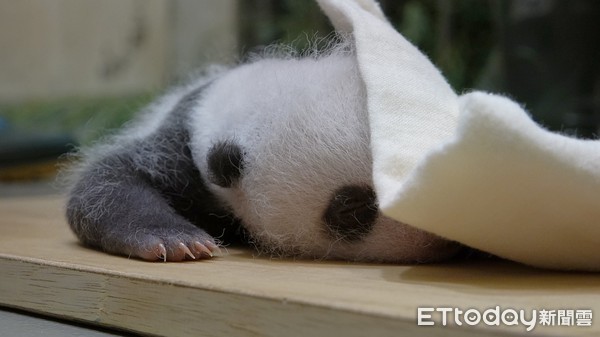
column 225, row 163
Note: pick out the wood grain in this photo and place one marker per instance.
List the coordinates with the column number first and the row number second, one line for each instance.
column 44, row 269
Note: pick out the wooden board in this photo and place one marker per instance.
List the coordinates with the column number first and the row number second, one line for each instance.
column 43, row 269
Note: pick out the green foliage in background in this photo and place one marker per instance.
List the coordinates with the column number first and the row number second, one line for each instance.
column 297, row 23
column 84, row 119
column 543, row 54
column 548, row 65
column 456, row 35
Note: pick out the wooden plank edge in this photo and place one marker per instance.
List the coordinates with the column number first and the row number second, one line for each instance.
column 143, row 305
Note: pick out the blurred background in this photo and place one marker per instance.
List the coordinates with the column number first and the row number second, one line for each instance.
column 72, row 70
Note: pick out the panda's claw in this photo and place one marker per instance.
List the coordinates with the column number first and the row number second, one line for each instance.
column 167, row 245
column 186, row 251
column 214, row 249
column 162, row 252
column 201, row 249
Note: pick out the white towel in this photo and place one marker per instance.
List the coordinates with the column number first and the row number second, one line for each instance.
column 472, row 168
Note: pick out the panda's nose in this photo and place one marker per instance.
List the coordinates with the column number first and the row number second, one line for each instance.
column 351, row 212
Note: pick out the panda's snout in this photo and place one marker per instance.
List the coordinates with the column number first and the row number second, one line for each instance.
column 351, row 213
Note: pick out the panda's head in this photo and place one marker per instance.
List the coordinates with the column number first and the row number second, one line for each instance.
column 285, row 143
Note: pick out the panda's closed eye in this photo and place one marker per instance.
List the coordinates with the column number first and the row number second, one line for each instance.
column 351, row 213
column 225, row 163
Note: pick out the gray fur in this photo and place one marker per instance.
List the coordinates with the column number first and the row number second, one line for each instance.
column 296, row 136
column 147, row 192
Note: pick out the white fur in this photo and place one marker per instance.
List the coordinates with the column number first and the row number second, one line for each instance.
column 304, row 128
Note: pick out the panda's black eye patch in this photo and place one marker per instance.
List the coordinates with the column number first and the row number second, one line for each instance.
column 351, row 213
column 225, row 163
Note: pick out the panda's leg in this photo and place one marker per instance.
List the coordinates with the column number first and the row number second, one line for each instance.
column 117, row 210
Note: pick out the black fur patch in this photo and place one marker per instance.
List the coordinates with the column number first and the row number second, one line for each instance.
column 225, row 163
column 121, row 206
column 351, row 213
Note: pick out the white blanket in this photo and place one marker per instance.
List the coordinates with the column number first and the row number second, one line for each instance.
column 472, row 168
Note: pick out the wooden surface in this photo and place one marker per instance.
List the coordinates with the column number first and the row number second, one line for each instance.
column 43, row 269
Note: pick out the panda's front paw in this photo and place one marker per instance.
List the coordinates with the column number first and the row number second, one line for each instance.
column 169, row 244
column 175, row 252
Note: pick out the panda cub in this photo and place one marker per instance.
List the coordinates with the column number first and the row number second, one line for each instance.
column 275, row 151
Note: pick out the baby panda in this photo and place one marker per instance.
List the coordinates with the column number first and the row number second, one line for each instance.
column 276, row 151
